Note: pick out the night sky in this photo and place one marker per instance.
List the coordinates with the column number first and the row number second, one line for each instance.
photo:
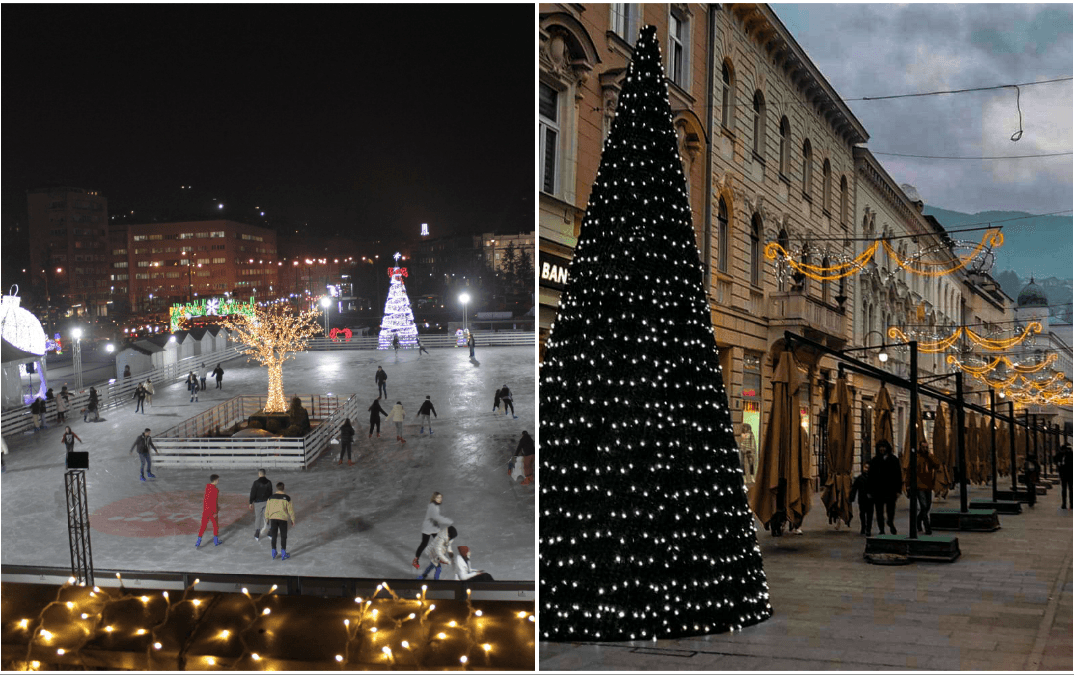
column 356, row 119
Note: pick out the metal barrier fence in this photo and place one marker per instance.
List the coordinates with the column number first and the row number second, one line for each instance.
column 113, row 393
column 184, row 445
column 481, row 339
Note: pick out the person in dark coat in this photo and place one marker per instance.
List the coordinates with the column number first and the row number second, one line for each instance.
column 1064, row 462
column 126, row 371
column 375, row 411
column 423, row 415
column 508, row 401
column 260, row 491
column 860, row 489
column 37, row 409
column 1030, row 476
column 92, row 406
column 526, row 450
column 49, row 395
column 382, row 382
column 143, row 444
column 139, row 397
column 885, row 484
column 470, row 343
column 218, row 373
column 346, row 437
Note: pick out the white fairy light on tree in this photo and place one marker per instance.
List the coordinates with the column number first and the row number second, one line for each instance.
column 398, row 314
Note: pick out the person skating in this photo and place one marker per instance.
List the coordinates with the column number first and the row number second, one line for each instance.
column 191, row 380
column 395, row 343
column 860, row 489
column 926, row 482
column 423, row 415
column 496, row 400
column 37, row 410
column 440, row 552
column 397, row 414
column 210, row 510
column 68, row 439
column 49, row 396
column 204, row 376
column 508, row 401
column 470, row 343
column 463, row 569
column 195, row 387
column 382, row 382
column 278, row 512
column 139, row 397
column 142, row 444
column 433, row 523
column 421, row 347
column 375, row 411
column 63, row 404
column 149, row 391
column 885, row 475
column 92, row 406
column 260, row 491
column 526, row 450
column 346, row 438
column 218, row 373
column 1064, row 462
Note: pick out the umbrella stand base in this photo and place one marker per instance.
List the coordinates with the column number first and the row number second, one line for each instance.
column 1007, row 508
column 973, row 520
column 886, row 548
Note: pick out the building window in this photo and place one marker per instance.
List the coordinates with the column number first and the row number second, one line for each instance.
column 807, row 170
column 825, row 262
column 728, row 96
column 758, row 124
column 783, row 241
column 755, row 251
column 723, row 234
column 624, row 20
column 826, row 187
column 549, row 137
column 678, row 36
column 844, row 202
column 784, row 145
column 216, row 235
column 119, row 265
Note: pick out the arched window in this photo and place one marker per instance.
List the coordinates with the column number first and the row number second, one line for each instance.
column 755, row 250
column 782, row 240
column 807, row 170
column 844, row 201
column 784, row 145
column 723, row 234
column 825, row 262
column 826, row 187
column 758, row 123
column 728, row 118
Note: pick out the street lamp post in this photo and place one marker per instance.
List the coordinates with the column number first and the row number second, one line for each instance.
column 326, row 302
column 883, row 355
column 464, row 299
column 77, row 334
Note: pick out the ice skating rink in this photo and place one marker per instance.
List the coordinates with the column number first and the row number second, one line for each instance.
column 355, row 521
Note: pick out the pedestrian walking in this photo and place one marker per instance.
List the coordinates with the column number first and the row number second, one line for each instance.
column 748, row 447
column 191, row 380
column 260, row 492
column 204, row 376
column 860, row 489
column 885, row 475
column 423, row 415
column 464, row 570
column 421, row 347
column 470, row 344
column 440, row 552
column 926, row 482
column 218, row 373
column 396, row 415
column 210, row 510
column 346, row 437
column 1030, row 476
column 69, row 438
column 142, row 444
column 37, row 410
column 92, row 406
column 375, row 411
column 126, row 371
column 63, row 404
column 508, row 401
column 1064, row 462
column 526, row 450
column 139, row 398
column 195, row 387
column 395, row 343
column 149, row 390
column 382, row 382
column 278, row 511
column 434, row 522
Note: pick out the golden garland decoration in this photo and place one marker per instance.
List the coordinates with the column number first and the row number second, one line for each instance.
column 1018, row 368
column 832, row 273
column 927, row 347
column 993, row 237
column 1000, row 345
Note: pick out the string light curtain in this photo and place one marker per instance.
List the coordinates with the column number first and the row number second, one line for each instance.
column 645, row 530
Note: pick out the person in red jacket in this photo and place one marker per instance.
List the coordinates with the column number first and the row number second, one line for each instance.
column 210, row 510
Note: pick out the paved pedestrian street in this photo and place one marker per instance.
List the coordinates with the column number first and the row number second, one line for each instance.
column 1004, row 605
column 353, row 521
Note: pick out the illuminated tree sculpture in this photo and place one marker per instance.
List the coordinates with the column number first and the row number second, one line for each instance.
column 271, row 336
column 645, row 528
column 398, row 315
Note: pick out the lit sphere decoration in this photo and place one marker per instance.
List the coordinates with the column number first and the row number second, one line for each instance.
column 645, row 528
column 20, row 327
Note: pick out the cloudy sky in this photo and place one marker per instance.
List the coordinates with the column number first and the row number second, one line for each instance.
column 884, row 49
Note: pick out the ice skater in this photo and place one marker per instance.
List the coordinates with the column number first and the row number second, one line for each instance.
column 210, row 509
column 470, row 344
column 440, row 552
column 463, row 570
column 149, row 390
column 375, row 411
column 191, row 380
column 395, row 343
column 496, row 400
column 278, row 512
column 69, row 438
column 194, row 389
column 421, row 347
column 382, row 382
column 423, row 415
column 204, row 376
column 37, row 409
column 139, row 396
column 346, row 438
column 63, row 403
column 397, row 415
column 260, row 491
column 526, row 450
column 142, row 444
column 92, row 406
column 508, row 401
column 218, row 373
column 433, row 523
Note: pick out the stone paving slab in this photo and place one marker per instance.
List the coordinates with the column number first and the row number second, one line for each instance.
column 1004, row 605
column 360, row 521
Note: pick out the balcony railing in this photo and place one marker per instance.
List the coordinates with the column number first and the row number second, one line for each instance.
column 796, row 309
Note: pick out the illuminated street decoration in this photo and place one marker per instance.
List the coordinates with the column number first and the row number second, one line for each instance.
column 425, row 229
column 1003, row 359
column 398, row 314
column 20, row 327
column 981, row 341
column 179, row 313
column 340, row 334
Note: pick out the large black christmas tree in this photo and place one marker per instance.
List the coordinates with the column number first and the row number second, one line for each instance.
column 645, row 528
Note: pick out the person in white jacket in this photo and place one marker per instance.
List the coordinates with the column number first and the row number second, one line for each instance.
column 440, row 552
column 464, row 571
column 148, row 390
column 396, row 415
column 433, row 523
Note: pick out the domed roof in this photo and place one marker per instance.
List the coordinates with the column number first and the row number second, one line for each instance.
column 1032, row 296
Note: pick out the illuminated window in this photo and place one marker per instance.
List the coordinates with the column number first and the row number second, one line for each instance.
column 549, row 137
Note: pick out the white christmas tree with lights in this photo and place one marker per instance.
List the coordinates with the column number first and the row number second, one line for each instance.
column 398, row 314
column 645, row 530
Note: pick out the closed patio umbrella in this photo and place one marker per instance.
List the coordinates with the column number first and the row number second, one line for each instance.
column 984, row 450
column 885, row 429
column 905, row 459
column 970, row 441
column 944, row 454
column 780, row 492
column 1003, row 450
column 840, row 455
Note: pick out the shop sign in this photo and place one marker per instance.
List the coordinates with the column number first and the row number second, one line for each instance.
column 554, row 271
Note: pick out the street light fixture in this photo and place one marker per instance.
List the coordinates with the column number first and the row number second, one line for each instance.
column 464, row 299
column 883, row 355
column 77, row 335
column 326, row 302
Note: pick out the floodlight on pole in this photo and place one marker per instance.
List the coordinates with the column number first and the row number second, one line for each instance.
column 326, row 302
column 76, row 333
column 464, row 299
